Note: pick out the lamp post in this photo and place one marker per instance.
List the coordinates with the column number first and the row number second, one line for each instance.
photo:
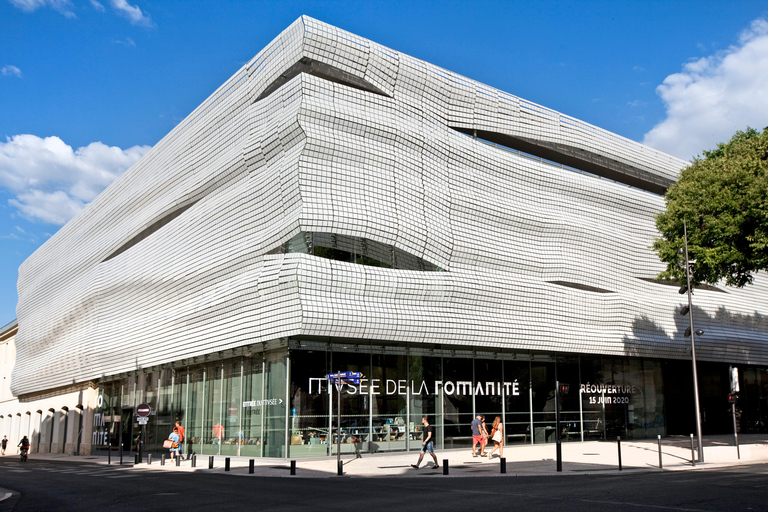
column 693, row 334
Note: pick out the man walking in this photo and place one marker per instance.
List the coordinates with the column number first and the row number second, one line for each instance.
column 5, row 443
column 181, row 436
column 477, row 434
column 427, row 445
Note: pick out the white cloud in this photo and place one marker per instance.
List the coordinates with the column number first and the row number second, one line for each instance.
column 713, row 97
column 127, row 42
column 11, row 71
column 62, row 6
column 97, row 5
column 133, row 12
column 51, row 181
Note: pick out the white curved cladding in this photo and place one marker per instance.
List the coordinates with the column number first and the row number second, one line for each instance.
column 244, row 176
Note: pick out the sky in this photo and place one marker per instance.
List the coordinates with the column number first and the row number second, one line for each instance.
column 87, row 86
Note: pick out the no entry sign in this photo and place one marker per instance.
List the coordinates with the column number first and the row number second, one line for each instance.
column 143, row 410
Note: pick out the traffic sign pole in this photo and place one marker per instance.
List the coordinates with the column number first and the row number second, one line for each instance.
column 338, row 379
column 340, row 470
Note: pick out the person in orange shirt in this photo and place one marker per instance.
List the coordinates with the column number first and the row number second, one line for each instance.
column 181, row 436
column 218, row 433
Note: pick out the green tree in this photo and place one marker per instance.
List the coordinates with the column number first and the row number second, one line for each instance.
column 724, row 199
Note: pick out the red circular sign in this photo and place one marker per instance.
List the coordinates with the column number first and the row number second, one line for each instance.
column 232, row 409
column 143, row 410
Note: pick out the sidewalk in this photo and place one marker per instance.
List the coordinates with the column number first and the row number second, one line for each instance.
column 521, row 460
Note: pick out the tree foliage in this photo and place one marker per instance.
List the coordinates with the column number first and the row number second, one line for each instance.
column 724, row 199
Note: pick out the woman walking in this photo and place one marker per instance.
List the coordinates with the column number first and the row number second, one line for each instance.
column 175, row 443
column 497, row 436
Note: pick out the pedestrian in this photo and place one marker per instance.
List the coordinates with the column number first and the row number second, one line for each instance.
column 484, row 431
column 174, row 439
column 427, row 445
column 497, row 436
column 5, row 443
column 181, row 436
column 477, row 433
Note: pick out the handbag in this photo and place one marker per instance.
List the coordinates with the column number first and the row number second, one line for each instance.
column 496, row 436
column 167, row 443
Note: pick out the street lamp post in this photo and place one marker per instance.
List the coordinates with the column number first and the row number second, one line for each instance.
column 693, row 344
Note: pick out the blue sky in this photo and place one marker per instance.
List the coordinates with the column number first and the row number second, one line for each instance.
column 86, row 86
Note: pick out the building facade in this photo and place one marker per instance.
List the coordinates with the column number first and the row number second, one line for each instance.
column 337, row 205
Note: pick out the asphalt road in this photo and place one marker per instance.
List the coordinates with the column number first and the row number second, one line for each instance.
column 46, row 485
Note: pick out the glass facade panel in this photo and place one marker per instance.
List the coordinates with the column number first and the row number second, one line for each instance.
column 274, row 405
column 488, row 391
column 517, row 402
column 193, row 429
column 425, row 401
column 389, row 402
column 458, row 401
column 252, row 418
column 570, row 415
column 214, row 430
column 231, row 410
column 309, row 404
column 355, row 412
column 543, row 402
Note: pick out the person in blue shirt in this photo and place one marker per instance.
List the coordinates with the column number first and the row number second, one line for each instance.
column 175, row 443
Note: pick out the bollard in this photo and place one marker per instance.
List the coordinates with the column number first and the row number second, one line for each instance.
column 660, row 466
column 618, row 444
column 136, row 459
column 250, row 467
column 162, row 460
column 340, row 468
column 149, row 459
column 693, row 453
column 293, row 467
column 503, row 465
column 210, row 462
column 226, row 464
column 559, row 453
column 178, row 461
column 194, row 461
column 445, row 466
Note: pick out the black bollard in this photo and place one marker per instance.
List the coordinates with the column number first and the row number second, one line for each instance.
column 136, row 459
column 210, row 462
column 149, row 459
column 340, row 468
column 618, row 444
column 226, row 464
column 194, row 461
column 162, row 460
column 178, row 461
column 693, row 452
column 250, row 467
column 503, row 465
column 659, row 437
column 559, row 453
column 293, row 467
column 445, row 466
